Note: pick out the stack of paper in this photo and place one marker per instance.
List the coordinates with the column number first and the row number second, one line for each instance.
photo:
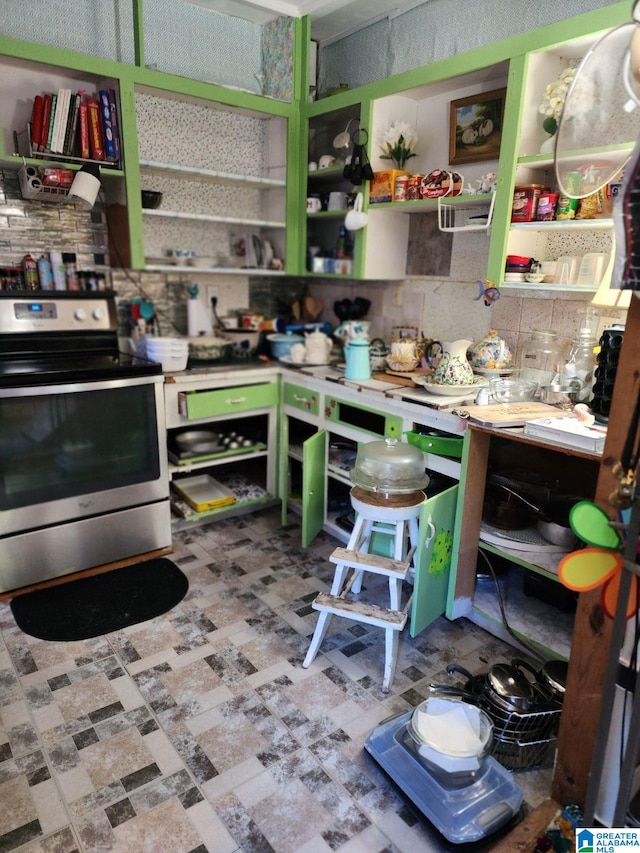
column 569, row 432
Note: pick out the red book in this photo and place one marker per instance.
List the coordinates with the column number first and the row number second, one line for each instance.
column 36, row 123
column 96, row 143
column 46, row 118
column 83, row 120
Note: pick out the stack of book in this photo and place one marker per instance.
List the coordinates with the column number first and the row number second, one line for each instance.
column 74, row 124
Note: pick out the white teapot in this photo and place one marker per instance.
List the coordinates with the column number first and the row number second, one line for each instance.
column 317, row 347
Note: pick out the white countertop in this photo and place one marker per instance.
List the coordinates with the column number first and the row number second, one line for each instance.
column 418, row 403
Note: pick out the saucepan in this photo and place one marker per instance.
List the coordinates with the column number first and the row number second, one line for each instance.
column 509, row 510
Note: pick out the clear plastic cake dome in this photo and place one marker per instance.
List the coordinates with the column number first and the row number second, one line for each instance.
column 390, row 466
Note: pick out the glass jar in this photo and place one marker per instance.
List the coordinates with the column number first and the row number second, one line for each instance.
column 542, row 358
column 580, row 365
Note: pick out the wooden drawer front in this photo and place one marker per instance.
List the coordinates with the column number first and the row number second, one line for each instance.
column 205, row 404
column 301, row 398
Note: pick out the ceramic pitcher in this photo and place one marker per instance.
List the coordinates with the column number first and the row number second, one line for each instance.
column 356, row 354
column 454, row 368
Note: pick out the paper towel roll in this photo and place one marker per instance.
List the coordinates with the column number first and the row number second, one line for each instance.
column 198, row 319
column 32, row 172
column 35, row 184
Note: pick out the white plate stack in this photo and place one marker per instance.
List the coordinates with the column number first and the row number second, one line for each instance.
column 171, row 353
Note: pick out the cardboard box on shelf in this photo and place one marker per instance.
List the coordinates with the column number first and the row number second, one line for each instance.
column 383, row 185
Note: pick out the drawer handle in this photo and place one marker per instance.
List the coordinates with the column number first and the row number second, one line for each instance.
column 432, row 533
column 230, row 401
column 299, row 399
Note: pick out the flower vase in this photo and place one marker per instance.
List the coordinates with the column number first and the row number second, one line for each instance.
column 548, row 145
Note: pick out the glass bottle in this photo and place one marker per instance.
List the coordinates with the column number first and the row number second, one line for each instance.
column 580, row 365
column 542, row 358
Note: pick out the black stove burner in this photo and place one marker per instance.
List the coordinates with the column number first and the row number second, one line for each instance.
column 43, row 369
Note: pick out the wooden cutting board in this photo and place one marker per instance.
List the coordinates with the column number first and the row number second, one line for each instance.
column 395, row 378
column 508, row 414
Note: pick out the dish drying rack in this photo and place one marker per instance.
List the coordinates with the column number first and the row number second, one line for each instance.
column 460, row 217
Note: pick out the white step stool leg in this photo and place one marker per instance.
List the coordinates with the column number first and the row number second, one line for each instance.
column 391, row 642
column 318, row 636
column 359, row 541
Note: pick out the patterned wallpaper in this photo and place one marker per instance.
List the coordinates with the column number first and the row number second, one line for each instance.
column 277, row 59
column 435, row 30
column 200, row 43
column 102, row 29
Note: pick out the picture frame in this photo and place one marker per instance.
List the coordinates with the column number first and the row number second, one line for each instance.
column 475, row 127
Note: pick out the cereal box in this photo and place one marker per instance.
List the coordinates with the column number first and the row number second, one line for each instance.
column 383, row 185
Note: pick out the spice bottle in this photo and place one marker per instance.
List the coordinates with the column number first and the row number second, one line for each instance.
column 30, row 273
column 57, row 271
column 45, row 277
column 70, row 272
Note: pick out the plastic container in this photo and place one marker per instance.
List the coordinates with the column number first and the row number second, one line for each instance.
column 453, row 738
column 281, row 344
column 171, row 353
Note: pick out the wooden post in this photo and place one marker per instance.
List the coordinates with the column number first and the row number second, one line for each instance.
column 592, row 630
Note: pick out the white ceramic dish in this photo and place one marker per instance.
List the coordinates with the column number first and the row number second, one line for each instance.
column 450, row 390
column 286, row 359
column 495, row 371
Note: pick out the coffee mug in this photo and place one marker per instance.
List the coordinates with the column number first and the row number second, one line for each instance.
column 356, row 219
column 313, row 204
column 337, row 201
column 326, row 161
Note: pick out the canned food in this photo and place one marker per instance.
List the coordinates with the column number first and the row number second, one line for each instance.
column 567, row 207
column 401, row 189
column 414, row 187
column 547, row 203
column 525, row 202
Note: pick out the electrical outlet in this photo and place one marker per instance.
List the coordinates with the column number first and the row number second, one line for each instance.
column 212, row 291
column 397, row 295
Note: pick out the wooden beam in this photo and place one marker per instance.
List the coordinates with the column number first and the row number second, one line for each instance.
column 592, row 629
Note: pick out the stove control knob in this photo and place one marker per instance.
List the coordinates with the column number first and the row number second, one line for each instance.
column 98, row 314
column 80, row 314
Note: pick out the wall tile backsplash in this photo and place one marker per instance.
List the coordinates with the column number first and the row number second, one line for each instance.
column 446, row 308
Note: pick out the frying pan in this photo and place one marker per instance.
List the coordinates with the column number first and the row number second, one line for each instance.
column 509, row 510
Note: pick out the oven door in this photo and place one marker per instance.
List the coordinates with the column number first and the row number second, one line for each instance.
column 74, row 451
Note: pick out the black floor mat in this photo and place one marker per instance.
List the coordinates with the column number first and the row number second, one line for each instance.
column 100, row 604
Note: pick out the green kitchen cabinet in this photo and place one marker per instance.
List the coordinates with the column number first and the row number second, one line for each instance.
column 433, row 559
column 313, row 486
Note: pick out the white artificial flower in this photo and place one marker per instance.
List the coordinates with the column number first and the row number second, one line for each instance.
column 398, row 141
column 555, row 94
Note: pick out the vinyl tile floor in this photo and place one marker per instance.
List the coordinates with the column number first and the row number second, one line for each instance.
column 199, row 730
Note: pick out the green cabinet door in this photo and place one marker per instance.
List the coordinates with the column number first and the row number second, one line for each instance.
column 433, row 559
column 314, row 479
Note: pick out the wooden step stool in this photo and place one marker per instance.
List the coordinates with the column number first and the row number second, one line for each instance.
column 395, row 516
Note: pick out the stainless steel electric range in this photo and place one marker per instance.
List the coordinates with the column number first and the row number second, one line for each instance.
column 83, row 463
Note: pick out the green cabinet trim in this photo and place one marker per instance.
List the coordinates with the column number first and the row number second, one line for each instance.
column 302, row 398
column 433, row 559
column 314, row 463
column 205, row 404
